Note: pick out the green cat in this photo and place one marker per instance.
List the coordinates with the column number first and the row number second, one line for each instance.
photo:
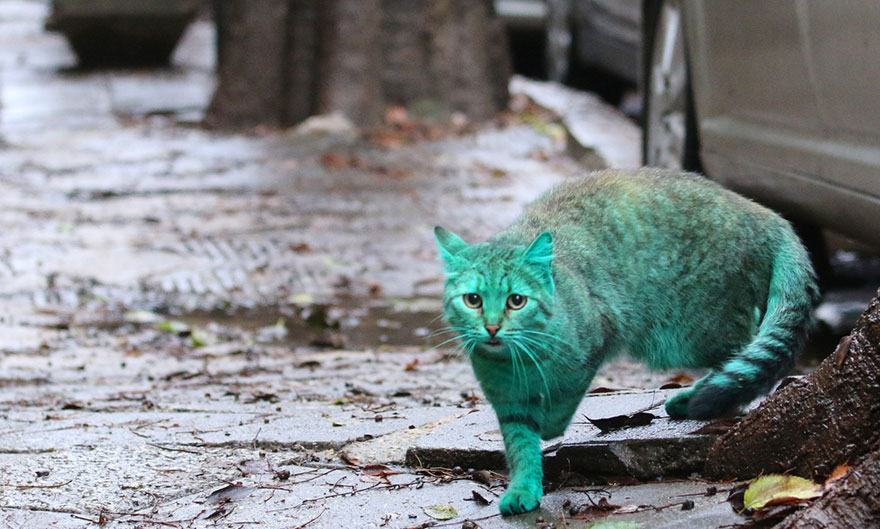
column 668, row 267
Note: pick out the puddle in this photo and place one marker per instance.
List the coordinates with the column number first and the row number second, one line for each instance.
column 346, row 324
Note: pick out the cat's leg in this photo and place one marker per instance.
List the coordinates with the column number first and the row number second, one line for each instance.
column 522, row 448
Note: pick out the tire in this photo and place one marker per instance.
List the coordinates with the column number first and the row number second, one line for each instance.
column 669, row 132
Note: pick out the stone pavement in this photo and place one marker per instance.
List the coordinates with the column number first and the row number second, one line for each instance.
column 201, row 329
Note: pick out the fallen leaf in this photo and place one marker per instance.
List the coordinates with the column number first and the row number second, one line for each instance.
column 412, row 365
column 735, row 497
column 775, row 489
column 379, row 471
column 263, row 396
column 174, row 326
column 603, row 507
column 233, row 491
column 479, row 498
column 351, row 460
column 311, row 364
column 201, row 338
column 680, row 378
column 622, row 421
column 842, row 350
column 142, row 316
column 301, row 247
column 838, row 472
column 335, row 160
column 441, row 512
column 301, row 298
column 603, row 389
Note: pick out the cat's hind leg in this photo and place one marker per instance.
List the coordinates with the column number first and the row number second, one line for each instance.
column 677, row 405
column 781, row 335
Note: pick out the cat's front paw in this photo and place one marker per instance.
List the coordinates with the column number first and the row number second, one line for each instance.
column 677, row 405
column 518, row 501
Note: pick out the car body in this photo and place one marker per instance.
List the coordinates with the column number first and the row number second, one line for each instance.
column 778, row 102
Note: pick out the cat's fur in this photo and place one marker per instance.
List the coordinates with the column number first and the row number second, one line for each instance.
column 668, row 267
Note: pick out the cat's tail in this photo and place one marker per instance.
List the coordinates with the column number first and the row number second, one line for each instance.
column 787, row 320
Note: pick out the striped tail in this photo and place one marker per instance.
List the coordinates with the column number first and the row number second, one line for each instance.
column 781, row 335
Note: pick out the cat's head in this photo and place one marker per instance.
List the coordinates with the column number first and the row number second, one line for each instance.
column 497, row 297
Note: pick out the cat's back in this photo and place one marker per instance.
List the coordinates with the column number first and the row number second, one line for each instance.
column 643, row 201
column 632, row 188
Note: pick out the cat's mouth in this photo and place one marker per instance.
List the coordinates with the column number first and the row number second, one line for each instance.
column 493, row 342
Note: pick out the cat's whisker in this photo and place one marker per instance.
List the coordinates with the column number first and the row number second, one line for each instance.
column 519, row 368
column 441, row 344
column 446, row 332
column 534, row 360
column 546, row 335
column 438, row 317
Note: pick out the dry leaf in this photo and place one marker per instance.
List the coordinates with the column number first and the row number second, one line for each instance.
column 603, row 389
column 479, row 498
column 680, row 378
column 838, row 472
column 842, row 350
column 622, row 421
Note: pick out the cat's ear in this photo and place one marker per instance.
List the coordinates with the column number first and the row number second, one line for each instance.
column 449, row 244
column 540, row 252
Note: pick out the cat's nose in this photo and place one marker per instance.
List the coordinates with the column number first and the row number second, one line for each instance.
column 493, row 330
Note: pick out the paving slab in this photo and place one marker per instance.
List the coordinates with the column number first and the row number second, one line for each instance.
column 665, row 447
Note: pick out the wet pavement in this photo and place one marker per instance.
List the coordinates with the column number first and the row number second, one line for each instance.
column 203, row 329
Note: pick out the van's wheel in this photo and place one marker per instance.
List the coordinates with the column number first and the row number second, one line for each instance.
column 669, row 136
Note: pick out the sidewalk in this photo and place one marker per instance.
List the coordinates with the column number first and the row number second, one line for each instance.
column 229, row 330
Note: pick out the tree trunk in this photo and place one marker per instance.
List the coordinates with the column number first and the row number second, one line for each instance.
column 811, row 425
column 853, row 502
column 280, row 61
column 349, row 61
column 251, row 46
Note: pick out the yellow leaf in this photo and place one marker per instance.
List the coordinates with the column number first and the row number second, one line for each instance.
column 778, row 489
column 441, row 512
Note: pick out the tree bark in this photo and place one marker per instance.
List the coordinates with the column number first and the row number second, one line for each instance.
column 853, row 502
column 810, row 426
column 280, row 61
column 251, row 51
column 349, row 61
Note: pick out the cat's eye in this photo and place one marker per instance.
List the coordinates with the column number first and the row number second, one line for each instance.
column 472, row 301
column 516, row 301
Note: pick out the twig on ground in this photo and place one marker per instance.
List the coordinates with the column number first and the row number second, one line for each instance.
column 170, row 449
column 54, row 486
column 312, row 520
